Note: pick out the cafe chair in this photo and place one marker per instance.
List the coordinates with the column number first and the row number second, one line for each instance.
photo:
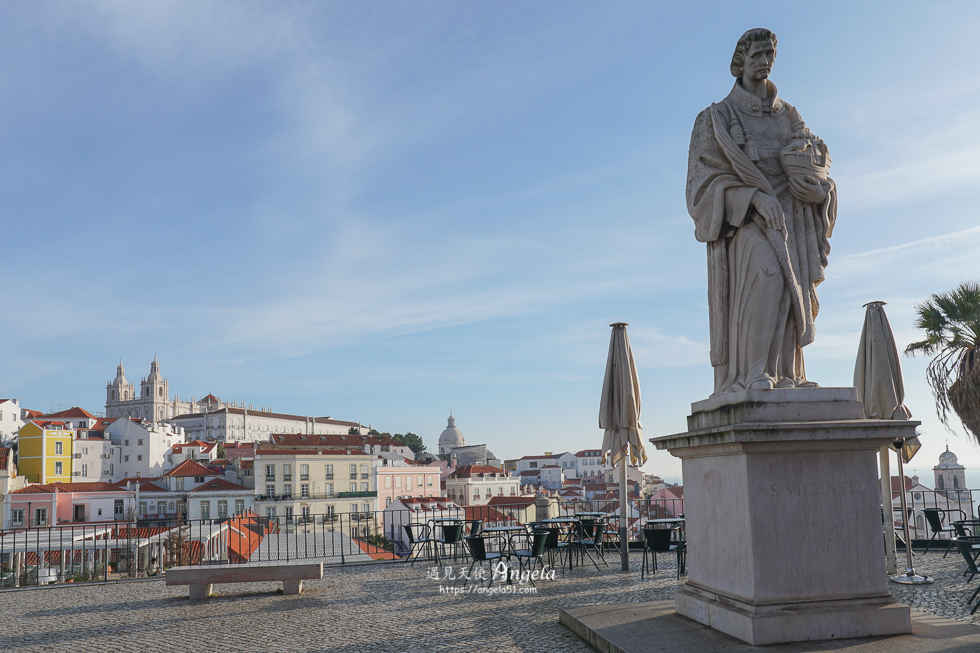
column 526, row 557
column 934, row 517
column 452, row 535
column 418, row 536
column 595, row 540
column 657, row 540
column 965, row 546
column 478, row 549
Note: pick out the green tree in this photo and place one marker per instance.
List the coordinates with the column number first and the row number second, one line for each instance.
column 951, row 322
column 221, row 453
column 411, row 441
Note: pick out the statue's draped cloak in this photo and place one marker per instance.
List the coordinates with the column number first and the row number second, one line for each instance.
column 723, row 176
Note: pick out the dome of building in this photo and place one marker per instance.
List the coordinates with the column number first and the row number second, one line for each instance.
column 948, row 459
column 155, row 376
column 451, row 437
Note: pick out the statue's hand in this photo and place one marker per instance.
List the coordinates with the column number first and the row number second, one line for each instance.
column 808, row 189
column 770, row 210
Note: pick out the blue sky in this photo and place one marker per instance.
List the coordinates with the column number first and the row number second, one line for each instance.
column 386, row 211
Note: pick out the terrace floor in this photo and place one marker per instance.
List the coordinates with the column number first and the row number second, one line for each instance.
column 372, row 607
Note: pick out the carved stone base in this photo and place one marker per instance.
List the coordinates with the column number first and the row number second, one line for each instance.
column 772, row 624
column 784, row 517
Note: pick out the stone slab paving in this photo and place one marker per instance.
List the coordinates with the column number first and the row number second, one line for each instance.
column 377, row 607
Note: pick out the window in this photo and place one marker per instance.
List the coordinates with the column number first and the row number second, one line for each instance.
column 287, row 472
column 364, row 471
column 364, row 487
column 17, row 517
column 139, row 458
column 353, row 471
column 287, row 489
column 304, row 472
column 330, row 513
column 126, row 442
column 85, row 450
column 398, row 481
column 329, row 488
column 429, row 481
column 139, row 443
column 270, row 489
column 40, row 516
column 270, row 512
column 387, row 501
column 387, row 482
column 125, row 459
column 205, row 510
column 198, row 479
column 289, row 513
column 270, row 472
column 179, row 484
column 304, row 490
column 58, row 469
column 239, row 506
column 59, row 448
column 353, row 487
column 366, row 508
column 222, row 509
column 420, row 481
column 329, row 474
column 84, row 470
column 142, row 508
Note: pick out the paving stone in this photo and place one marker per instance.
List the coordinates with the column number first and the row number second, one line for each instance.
column 381, row 607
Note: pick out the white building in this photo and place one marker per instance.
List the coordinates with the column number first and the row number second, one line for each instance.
column 142, row 447
column 475, row 485
column 244, row 424
column 95, row 457
column 588, row 462
column 377, row 445
column 416, row 510
column 191, row 491
column 9, row 481
column 10, row 421
column 567, row 461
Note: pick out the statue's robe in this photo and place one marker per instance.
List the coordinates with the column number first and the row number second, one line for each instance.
column 762, row 282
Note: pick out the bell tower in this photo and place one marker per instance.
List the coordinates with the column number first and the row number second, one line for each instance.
column 155, row 394
column 118, row 392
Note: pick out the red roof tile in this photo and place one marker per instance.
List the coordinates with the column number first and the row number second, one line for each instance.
column 48, row 488
column 74, row 412
column 190, row 468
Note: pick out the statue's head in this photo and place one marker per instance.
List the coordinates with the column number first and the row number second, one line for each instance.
column 745, row 43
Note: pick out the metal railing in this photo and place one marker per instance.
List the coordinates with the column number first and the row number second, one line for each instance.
column 955, row 504
column 110, row 551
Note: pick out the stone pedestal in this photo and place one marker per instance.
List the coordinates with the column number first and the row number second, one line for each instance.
column 783, row 516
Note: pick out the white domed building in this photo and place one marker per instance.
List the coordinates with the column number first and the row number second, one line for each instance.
column 453, row 448
column 451, row 438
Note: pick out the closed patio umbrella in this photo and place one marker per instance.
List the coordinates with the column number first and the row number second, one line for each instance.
column 619, row 415
column 878, row 379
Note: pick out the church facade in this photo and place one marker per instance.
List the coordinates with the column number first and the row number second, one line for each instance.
column 153, row 403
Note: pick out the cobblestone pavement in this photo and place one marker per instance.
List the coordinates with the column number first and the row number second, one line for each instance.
column 377, row 607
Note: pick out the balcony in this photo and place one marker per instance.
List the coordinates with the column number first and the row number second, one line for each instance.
column 270, row 477
column 364, row 477
column 329, row 477
column 356, row 495
column 353, row 476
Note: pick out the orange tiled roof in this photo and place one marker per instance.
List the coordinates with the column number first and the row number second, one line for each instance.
column 190, row 468
column 470, row 470
column 48, row 488
column 74, row 411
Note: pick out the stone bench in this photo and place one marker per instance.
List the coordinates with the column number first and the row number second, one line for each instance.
column 200, row 579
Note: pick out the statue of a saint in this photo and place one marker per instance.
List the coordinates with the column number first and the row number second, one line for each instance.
column 758, row 190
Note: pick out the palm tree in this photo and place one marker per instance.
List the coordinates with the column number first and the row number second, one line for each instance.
column 951, row 322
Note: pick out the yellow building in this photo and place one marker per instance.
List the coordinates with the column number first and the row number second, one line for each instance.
column 44, row 451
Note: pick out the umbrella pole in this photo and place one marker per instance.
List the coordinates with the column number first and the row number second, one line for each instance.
column 909, row 577
column 888, row 512
column 624, row 543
